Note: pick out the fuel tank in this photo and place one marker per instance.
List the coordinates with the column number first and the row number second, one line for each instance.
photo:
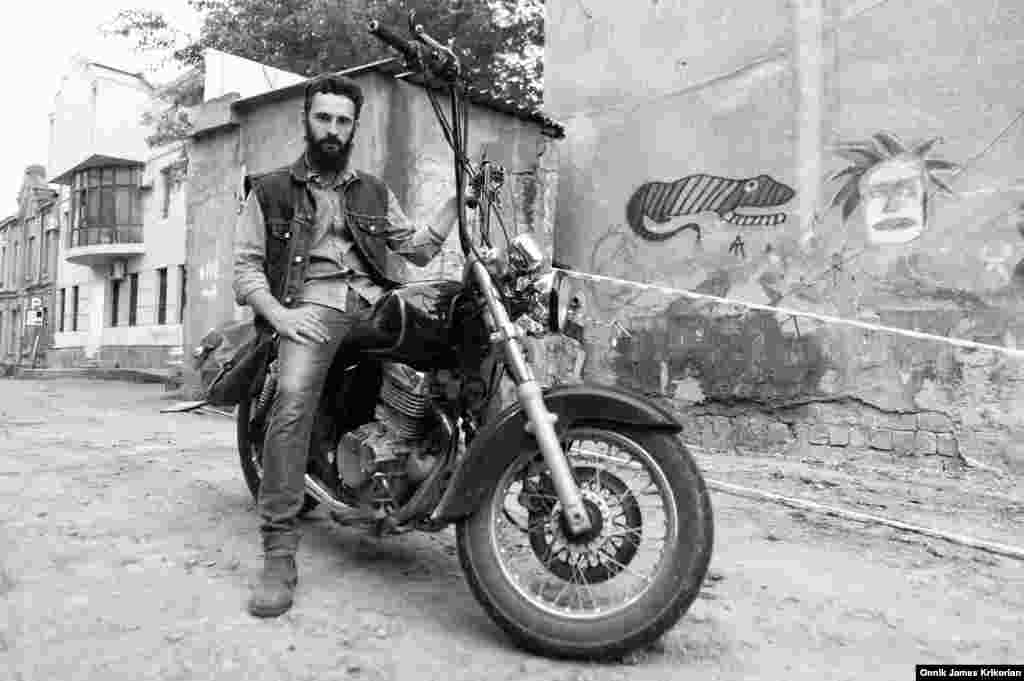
column 419, row 324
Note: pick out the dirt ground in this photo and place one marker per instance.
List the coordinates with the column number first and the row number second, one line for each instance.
column 128, row 543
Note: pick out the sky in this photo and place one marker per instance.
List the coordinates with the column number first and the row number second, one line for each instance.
column 37, row 52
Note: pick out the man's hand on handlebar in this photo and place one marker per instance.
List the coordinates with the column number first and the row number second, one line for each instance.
column 431, row 56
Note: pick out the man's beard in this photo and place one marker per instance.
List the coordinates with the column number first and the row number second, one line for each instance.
column 325, row 160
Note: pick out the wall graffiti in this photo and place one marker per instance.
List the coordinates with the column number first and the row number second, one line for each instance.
column 661, row 202
column 890, row 179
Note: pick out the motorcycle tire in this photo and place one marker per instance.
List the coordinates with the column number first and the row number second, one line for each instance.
column 250, row 470
column 670, row 591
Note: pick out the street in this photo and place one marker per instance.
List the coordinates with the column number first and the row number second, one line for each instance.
column 129, row 541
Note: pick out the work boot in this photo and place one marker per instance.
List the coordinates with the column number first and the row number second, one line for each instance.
column 273, row 593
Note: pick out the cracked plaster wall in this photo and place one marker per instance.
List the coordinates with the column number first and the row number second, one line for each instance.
column 657, row 91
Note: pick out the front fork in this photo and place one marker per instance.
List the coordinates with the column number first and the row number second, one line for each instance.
column 540, row 422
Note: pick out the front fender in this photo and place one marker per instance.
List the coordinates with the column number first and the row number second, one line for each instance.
column 502, row 440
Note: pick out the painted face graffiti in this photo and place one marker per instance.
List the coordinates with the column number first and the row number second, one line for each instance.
column 894, row 198
column 891, row 180
column 661, row 202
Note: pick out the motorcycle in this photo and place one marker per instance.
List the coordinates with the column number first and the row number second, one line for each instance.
column 582, row 522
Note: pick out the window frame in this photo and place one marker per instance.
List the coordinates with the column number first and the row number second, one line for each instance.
column 133, row 299
column 115, row 301
column 161, row 296
column 97, row 203
column 74, row 307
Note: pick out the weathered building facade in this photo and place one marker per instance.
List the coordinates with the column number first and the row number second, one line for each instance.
column 828, row 191
column 28, row 264
column 118, row 295
column 398, row 140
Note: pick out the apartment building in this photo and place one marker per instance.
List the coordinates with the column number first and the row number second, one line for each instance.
column 28, row 261
column 118, row 293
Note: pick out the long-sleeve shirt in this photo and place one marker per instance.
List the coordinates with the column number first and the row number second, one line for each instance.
column 334, row 266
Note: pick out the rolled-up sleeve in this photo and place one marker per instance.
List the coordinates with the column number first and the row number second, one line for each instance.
column 418, row 245
column 250, row 251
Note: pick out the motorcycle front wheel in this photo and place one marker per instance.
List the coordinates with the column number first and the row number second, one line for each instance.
column 620, row 586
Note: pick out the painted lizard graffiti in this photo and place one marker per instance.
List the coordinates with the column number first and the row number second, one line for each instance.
column 661, row 201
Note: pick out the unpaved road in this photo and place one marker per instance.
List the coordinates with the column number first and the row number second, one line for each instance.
column 128, row 542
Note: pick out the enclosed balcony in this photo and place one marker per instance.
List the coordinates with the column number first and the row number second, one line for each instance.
column 103, row 244
column 106, row 211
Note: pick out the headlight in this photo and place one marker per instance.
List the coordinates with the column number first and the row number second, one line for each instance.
column 525, row 254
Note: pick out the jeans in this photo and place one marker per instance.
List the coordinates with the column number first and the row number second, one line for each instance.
column 303, row 372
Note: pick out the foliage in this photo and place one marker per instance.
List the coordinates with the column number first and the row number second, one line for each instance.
column 881, row 147
column 499, row 41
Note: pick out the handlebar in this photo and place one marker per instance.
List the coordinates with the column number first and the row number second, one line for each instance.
column 435, row 57
column 411, row 51
column 436, row 61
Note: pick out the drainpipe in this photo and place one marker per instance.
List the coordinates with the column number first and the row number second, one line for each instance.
column 809, row 58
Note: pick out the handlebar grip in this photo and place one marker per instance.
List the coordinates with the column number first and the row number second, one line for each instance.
column 394, row 40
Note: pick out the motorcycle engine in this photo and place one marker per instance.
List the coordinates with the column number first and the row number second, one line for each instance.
column 384, row 460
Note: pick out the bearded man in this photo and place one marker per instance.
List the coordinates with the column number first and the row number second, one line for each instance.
column 315, row 245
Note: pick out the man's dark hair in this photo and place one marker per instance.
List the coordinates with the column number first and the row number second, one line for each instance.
column 334, row 85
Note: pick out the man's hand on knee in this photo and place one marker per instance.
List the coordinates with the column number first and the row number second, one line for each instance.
column 299, row 324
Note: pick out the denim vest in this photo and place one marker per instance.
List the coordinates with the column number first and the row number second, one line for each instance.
column 289, row 213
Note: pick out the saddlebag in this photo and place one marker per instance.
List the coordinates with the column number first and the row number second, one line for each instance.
column 232, row 360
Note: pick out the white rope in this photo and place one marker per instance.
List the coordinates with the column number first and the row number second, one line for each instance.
column 974, row 345
column 802, row 504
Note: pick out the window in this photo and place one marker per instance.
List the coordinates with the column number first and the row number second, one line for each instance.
column 183, row 278
column 105, row 206
column 30, row 256
column 15, row 269
column 115, row 300
column 63, row 305
column 133, row 298
column 3, row 266
column 15, row 323
column 165, row 173
column 48, row 258
column 44, row 256
column 161, row 295
column 74, row 308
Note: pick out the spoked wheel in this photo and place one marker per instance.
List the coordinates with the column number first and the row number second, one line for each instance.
column 617, row 587
column 250, row 453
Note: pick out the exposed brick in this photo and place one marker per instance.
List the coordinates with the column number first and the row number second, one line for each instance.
column 937, row 423
column 881, row 439
column 723, row 428
column 903, row 441
column 924, row 442
column 838, row 436
column 946, row 445
column 778, row 433
column 818, row 435
column 858, row 437
column 902, row 422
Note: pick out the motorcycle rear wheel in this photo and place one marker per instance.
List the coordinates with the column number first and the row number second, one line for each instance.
column 611, row 626
column 249, row 453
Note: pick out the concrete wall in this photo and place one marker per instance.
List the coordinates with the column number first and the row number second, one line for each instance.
column 398, row 140
column 97, row 110
column 756, row 99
